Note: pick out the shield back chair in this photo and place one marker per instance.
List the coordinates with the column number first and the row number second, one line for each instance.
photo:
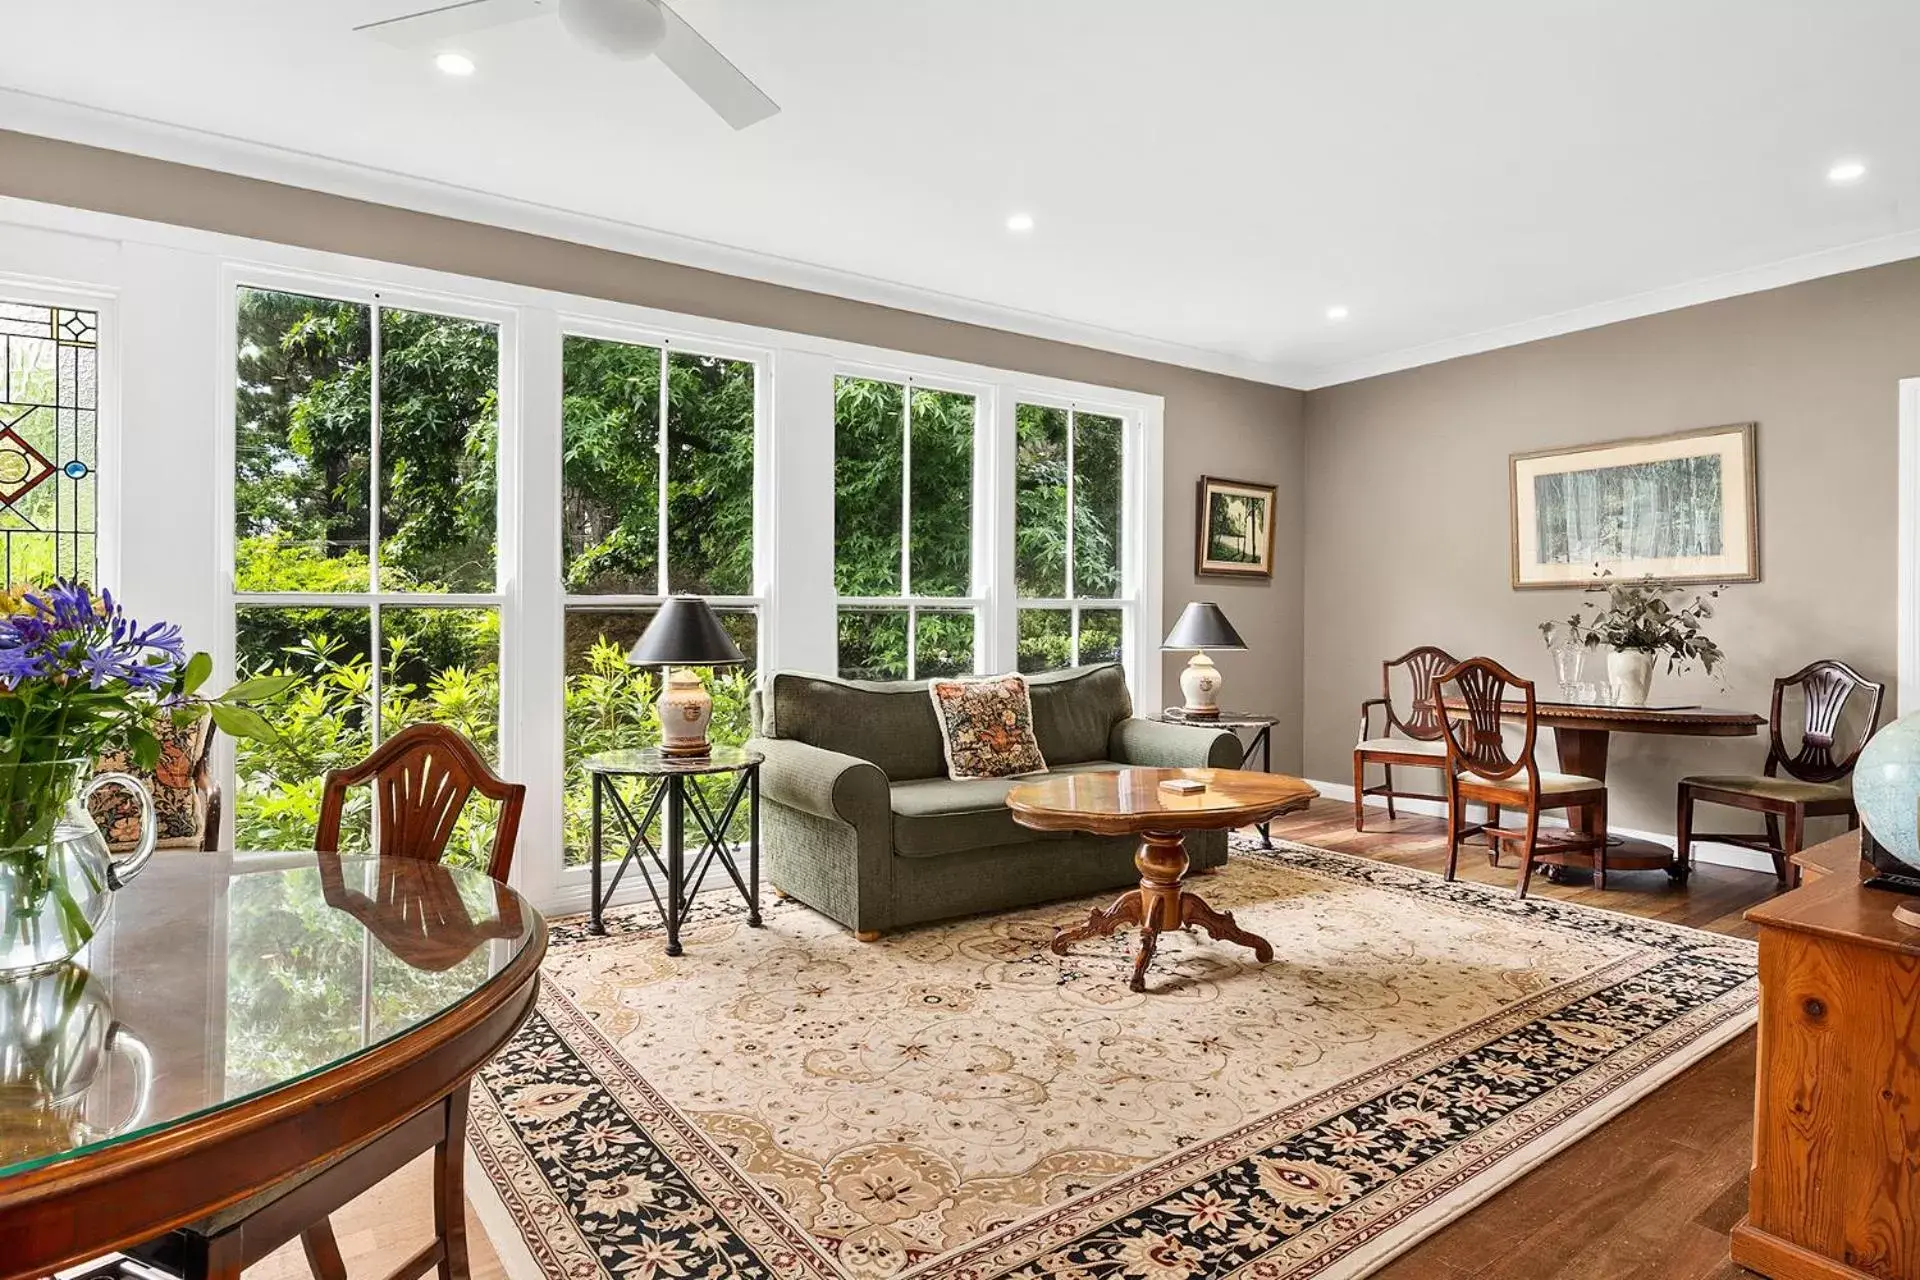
column 1420, row 744
column 1481, row 770
column 422, row 777
column 1818, row 781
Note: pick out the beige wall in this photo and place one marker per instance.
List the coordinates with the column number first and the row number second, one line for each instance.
column 1406, row 497
column 1214, row 425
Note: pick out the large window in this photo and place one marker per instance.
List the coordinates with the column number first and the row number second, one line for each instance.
column 657, row 499
column 461, row 502
column 903, row 529
column 365, row 497
column 49, row 405
column 1069, row 530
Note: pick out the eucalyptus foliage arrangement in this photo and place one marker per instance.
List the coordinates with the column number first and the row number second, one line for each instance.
column 1642, row 615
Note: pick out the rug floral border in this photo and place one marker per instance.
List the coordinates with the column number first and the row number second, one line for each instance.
column 604, row 1177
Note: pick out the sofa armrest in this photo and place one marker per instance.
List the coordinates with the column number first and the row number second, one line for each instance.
column 823, row 783
column 1172, row 746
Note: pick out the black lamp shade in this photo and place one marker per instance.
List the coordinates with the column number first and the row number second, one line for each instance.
column 1203, row 626
column 685, row 633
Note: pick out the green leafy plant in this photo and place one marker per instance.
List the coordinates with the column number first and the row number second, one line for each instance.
column 1643, row 615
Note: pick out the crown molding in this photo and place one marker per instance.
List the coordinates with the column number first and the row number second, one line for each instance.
column 94, row 127
column 1773, row 275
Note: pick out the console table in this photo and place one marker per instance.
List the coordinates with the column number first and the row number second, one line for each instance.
column 1836, row 1191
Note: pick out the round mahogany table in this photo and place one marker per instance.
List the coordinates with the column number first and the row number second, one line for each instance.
column 1132, row 802
column 250, row 1042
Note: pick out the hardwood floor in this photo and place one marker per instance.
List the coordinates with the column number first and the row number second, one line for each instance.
column 1651, row 1195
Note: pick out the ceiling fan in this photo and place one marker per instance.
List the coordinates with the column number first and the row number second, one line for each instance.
column 629, row 29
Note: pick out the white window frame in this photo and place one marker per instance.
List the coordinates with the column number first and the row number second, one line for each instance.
column 235, row 277
column 981, row 533
column 1133, row 448
column 574, row 881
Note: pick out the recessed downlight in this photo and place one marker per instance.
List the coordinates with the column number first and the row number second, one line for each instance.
column 1337, row 313
column 1020, row 222
column 454, row 64
column 1846, row 171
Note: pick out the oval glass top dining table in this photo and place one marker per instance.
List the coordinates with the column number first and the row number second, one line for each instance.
column 242, row 1025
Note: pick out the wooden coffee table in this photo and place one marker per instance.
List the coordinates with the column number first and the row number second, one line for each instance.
column 1130, row 802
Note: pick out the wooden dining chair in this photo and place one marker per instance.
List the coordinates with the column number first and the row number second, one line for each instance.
column 1420, row 742
column 1818, row 782
column 1480, row 770
column 421, row 779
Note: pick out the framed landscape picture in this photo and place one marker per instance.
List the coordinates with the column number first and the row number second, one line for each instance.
column 1235, row 539
column 1681, row 508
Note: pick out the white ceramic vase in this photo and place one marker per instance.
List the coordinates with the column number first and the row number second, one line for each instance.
column 1630, row 673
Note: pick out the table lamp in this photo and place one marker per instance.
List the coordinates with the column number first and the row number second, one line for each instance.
column 1201, row 627
column 685, row 633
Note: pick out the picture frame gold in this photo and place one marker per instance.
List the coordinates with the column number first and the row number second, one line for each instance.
column 1571, row 510
column 1234, row 529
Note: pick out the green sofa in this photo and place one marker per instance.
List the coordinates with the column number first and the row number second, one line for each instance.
column 860, row 821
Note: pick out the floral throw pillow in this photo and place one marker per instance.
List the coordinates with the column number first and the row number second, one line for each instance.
column 988, row 727
column 176, row 798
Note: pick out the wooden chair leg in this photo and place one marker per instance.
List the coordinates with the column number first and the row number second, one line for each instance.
column 1683, row 829
column 1774, row 840
column 1600, row 850
column 1386, row 771
column 1796, row 825
column 1526, row 851
column 1359, row 792
column 1493, row 846
column 1454, row 806
column 323, row 1251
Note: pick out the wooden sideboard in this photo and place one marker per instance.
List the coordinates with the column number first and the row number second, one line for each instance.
column 1836, row 1146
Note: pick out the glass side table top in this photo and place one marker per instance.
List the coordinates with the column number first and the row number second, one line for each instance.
column 1225, row 720
column 652, row 762
column 218, row 978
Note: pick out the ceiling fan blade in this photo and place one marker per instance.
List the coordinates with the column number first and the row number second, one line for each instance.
column 706, row 71
column 453, row 18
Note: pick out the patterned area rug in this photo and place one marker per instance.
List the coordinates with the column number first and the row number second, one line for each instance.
column 957, row 1103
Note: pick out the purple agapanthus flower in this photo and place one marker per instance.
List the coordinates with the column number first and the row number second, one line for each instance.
column 63, row 635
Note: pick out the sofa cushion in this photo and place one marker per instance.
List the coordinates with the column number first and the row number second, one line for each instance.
column 988, row 727
column 1074, row 711
column 934, row 816
column 891, row 724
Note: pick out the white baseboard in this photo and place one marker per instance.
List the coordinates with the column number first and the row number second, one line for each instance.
column 1711, row 852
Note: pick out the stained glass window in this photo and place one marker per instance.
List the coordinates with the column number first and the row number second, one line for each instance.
column 49, row 407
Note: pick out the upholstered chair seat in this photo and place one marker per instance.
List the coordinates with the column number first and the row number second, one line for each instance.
column 1551, row 784
column 1403, row 747
column 1791, row 790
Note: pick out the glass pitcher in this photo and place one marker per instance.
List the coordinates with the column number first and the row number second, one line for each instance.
column 57, row 875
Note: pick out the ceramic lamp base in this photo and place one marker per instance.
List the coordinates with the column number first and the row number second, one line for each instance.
column 1200, row 685
column 685, row 710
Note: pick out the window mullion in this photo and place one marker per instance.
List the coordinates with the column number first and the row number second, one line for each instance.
column 660, row 499
column 373, row 449
column 906, row 503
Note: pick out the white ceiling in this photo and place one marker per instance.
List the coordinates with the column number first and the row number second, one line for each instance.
column 1208, row 176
